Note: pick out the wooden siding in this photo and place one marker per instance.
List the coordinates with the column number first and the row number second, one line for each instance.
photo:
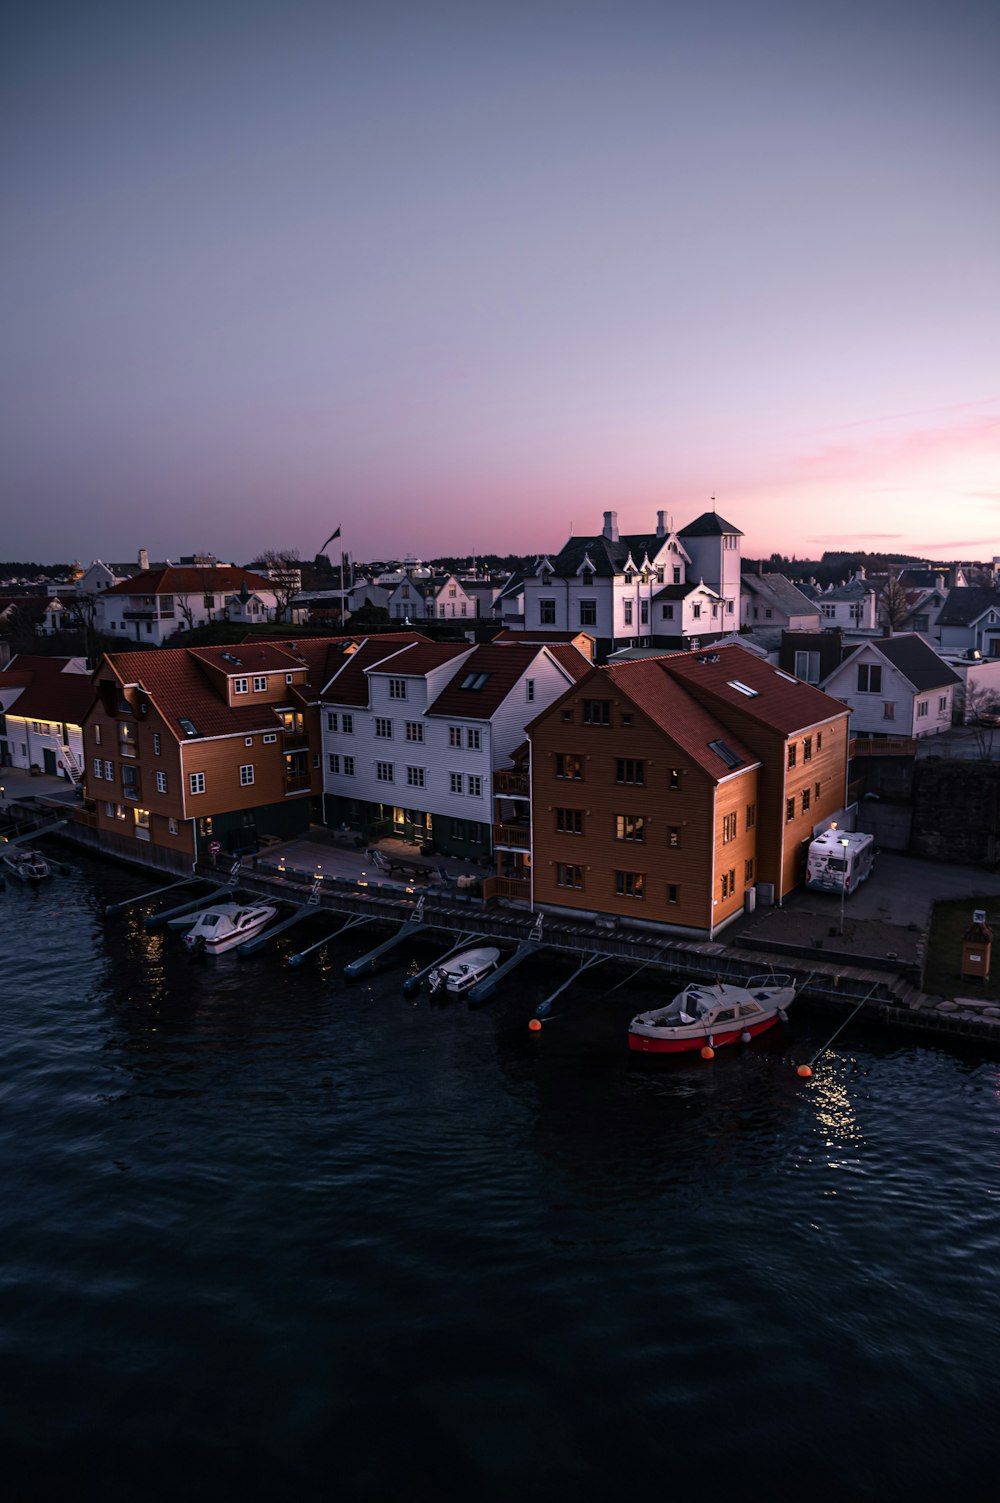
column 692, row 809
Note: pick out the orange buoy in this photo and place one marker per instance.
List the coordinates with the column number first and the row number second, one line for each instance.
column 535, row 1025
column 805, row 1071
column 708, row 1052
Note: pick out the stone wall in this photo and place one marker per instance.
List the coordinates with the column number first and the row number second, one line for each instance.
column 955, row 811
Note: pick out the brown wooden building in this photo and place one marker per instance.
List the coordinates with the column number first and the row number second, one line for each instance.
column 663, row 789
column 188, row 747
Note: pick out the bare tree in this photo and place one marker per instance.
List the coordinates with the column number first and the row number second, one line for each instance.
column 980, row 708
column 894, row 606
column 283, row 568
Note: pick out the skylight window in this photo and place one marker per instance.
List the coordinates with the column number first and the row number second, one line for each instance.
column 725, row 751
column 474, row 680
column 187, row 726
column 741, row 688
column 786, row 676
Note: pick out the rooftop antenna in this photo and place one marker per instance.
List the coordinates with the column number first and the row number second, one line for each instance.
column 713, row 500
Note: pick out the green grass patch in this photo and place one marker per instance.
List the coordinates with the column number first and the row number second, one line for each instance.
column 943, row 961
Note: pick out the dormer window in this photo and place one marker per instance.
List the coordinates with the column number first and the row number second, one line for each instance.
column 587, row 576
column 628, row 576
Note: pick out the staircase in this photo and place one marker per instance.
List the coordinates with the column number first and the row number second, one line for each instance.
column 73, row 766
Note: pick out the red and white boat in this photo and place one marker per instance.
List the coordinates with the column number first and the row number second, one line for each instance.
column 706, row 1016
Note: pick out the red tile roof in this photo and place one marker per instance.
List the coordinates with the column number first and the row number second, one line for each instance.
column 424, row 657
column 781, row 702
column 503, row 665
column 226, row 579
column 668, row 705
column 180, row 689
column 510, row 634
column 257, row 657
column 349, row 684
column 49, row 692
column 571, row 658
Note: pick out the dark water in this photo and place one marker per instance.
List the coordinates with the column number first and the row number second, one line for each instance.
column 267, row 1235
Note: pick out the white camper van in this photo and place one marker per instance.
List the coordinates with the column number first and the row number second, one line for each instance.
column 840, row 860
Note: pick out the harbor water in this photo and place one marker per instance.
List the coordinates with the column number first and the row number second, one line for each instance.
column 270, row 1235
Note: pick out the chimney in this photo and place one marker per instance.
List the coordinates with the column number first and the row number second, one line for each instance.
column 661, row 530
column 611, row 526
column 143, row 558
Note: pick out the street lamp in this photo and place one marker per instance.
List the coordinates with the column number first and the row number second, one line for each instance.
column 844, row 843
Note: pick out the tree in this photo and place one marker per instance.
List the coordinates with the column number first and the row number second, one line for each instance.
column 894, row 606
column 979, row 707
column 284, row 570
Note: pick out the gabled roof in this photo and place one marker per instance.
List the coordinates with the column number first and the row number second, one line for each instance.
column 607, row 558
column 255, row 656
column 348, row 684
column 676, row 712
column 421, row 658
column 178, row 580
column 916, row 660
column 777, row 591
column 540, row 636
column 966, row 603
column 487, row 676
column 514, row 586
column 779, row 701
column 854, row 589
column 51, row 690
column 682, row 591
column 708, row 525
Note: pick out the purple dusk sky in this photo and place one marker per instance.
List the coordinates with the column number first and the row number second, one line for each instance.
column 459, row 278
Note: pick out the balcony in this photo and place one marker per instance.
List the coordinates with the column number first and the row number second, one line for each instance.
column 298, row 782
column 148, row 615
column 510, row 782
column 515, row 837
column 512, row 888
column 882, row 746
column 295, row 740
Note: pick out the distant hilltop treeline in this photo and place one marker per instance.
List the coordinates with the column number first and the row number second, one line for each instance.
column 17, row 569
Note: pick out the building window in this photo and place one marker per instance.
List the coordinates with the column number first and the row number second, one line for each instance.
column 674, row 778
column 260, row 683
column 696, row 610
column 627, row 770
column 942, row 703
column 348, row 767
column 597, row 712
column 246, row 775
column 347, row 724
column 546, row 613
column 97, row 734
column 748, row 871
column 196, row 782
column 156, row 743
column 677, row 575
column 922, row 708
column 474, row 738
column 751, row 816
column 588, row 612
column 248, row 741
column 241, row 685
column 725, row 885
column 161, row 782
column 454, row 782
column 888, row 709
column 98, row 768
column 454, row 735
column 333, row 761
column 673, row 893
column 630, row 884
column 807, row 749
column 397, row 688
column 643, row 612
column 806, row 799
column 529, row 690
column 269, row 738
column 415, row 730
column 869, row 678
column 569, row 821
column 667, row 612
column 807, row 667
column 630, row 827
column 569, row 766
column 791, row 753
column 415, row 777
column 474, row 785
column 383, row 728
column 569, row 876
column 627, row 612
column 789, row 810
column 674, row 836
column 728, row 828
column 331, row 720
column 384, row 772
column 819, row 741
column 173, row 828
column 109, row 771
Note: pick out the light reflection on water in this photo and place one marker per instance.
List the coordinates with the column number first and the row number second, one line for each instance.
column 284, row 1233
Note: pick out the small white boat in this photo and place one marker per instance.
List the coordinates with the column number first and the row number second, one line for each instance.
column 226, row 924
column 463, row 971
column 28, row 866
column 703, row 1015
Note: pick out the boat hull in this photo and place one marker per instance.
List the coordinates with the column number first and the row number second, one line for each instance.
column 643, row 1043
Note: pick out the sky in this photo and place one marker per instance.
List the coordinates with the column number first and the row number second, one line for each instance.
column 461, row 279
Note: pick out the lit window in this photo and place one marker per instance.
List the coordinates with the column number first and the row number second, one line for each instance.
column 630, row 827
column 630, row 884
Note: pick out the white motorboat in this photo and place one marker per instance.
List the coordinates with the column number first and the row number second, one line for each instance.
column 706, row 1016
column 463, row 971
column 226, row 924
column 28, row 866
